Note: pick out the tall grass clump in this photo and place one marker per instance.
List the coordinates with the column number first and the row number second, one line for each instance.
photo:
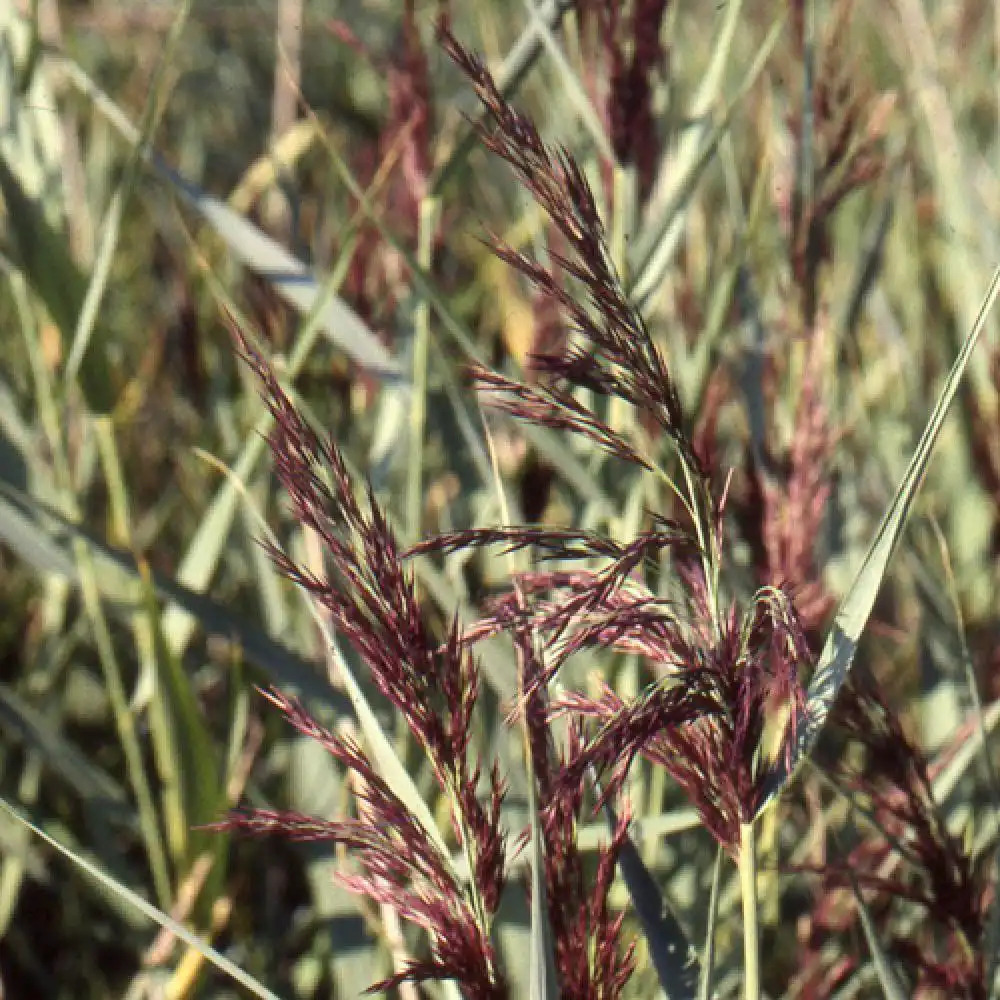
column 722, row 711
column 581, row 369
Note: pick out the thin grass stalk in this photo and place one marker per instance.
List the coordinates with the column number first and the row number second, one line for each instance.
column 156, row 856
column 165, row 757
column 572, row 86
column 284, row 98
column 112, row 886
column 111, row 225
column 708, row 952
column 699, row 505
column 429, row 214
column 751, row 930
column 15, row 862
column 660, row 235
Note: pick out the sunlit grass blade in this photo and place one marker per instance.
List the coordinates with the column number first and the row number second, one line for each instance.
column 708, row 951
column 657, row 243
column 751, row 921
column 255, row 249
column 838, row 652
column 43, row 538
column 150, row 912
column 110, row 229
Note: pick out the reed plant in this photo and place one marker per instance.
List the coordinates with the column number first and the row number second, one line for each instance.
column 657, row 655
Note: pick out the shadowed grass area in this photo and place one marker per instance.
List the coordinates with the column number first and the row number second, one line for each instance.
column 537, row 472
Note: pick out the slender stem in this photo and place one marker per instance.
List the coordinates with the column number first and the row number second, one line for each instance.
column 708, row 953
column 429, row 211
column 751, row 933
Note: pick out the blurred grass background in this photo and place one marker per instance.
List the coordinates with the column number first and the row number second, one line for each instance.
column 306, row 167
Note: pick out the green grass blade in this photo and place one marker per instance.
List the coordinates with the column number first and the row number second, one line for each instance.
column 208, row 544
column 508, row 77
column 429, row 218
column 708, row 952
column 191, row 743
column 93, row 600
column 577, row 97
column 292, row 280
column 42, row 255
column 17, row 860
column 32, row 172
column 21, row 720
column 206, row 547
column 949, row 162
column 157, row 707
column 87, row 316
column 657, row 243
column 838, row 652
column 123, row 892
column 43, row 538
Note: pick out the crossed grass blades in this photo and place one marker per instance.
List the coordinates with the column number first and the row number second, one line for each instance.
column 727, row 686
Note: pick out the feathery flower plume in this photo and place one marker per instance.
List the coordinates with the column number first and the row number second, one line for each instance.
column 921, row 884
column 589, row 959
column 728, row 682
column 620, row 359
column 373, row 603
column 629, row 33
